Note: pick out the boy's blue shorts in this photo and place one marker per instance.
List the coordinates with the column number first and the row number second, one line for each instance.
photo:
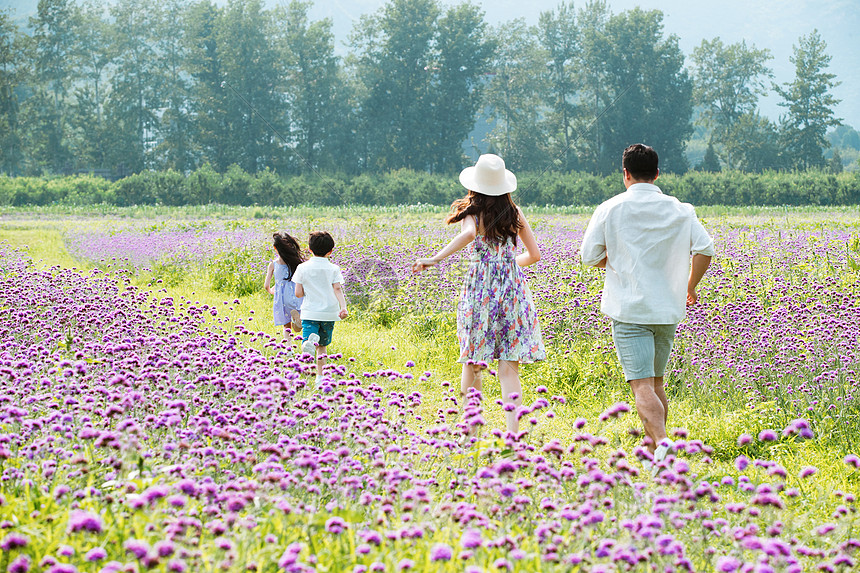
column 323, row 328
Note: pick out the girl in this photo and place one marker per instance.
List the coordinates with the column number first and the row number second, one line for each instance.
column 496, row 318
column 285, row 307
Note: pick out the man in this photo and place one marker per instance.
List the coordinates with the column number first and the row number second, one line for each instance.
column 644, row 239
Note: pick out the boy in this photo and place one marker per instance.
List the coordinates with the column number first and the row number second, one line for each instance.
column 319, row 283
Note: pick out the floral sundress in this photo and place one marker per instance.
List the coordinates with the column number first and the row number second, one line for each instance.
column 496, row 318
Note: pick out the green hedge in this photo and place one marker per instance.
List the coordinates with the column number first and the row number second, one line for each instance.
column 235, row 187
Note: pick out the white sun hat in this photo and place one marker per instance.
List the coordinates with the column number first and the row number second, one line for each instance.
column 489, row 176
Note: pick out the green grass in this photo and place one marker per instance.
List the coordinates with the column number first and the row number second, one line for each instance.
column 589, row 382
column 43, row 241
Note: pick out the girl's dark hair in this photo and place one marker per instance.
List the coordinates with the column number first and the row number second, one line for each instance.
column 498, row 214
column 288, row 249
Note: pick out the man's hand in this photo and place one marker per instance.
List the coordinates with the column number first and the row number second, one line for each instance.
column 697, row 271
column 343, row 313
column 692, row 297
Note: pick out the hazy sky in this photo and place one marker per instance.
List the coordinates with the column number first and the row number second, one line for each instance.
column 772, row 24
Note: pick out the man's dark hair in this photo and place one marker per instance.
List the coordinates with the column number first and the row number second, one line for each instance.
column 640, row 161
column 321, row 243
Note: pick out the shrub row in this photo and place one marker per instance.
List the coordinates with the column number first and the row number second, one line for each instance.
column 235, row 187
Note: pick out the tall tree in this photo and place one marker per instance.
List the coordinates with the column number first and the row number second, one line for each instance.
column 132, row 105
column 559, row 37
column 809, row 102
column 728, row 82
column 647, row 93
column 207, row 100
column 311, row 85
column 249, row 63
column 53, row 44
column 463, row 51
column 395, row 59
column 174, row 149
column 755, row 144
column 11, row 58
column 594, row 93
column 93, row 57
column 517, row 87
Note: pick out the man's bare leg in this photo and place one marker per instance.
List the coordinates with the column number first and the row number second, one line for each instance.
column 652, row 409
column 660, row 390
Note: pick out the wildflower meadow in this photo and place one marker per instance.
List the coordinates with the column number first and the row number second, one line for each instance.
column 152, row 418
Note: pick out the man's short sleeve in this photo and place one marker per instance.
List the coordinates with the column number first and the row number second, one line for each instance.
column 593, row 247
column 701, row 242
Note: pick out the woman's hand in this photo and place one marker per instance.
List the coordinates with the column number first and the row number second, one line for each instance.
column 422, row 265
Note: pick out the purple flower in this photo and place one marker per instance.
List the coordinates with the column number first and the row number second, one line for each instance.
column 441, row 552
column 614, row 411
column 741, row 462
column 727, row 564
column 290, row 556
column 137, row 547
column 852, row 460
column 371, row 536
column 744, row 439
column 111, row 567
column 335, row 525
column 13, row 541
column 95, row 554
column 164, row 548
column 471, row 539
column 767, row 436
column 405, row 564
column 20, row 564
column 80, row 520
column 807, row 471
column 154, row 493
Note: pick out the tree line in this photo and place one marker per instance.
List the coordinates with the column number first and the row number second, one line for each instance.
column 265, row 188
column 182, row 84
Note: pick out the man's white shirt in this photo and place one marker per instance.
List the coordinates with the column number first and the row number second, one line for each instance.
column 649, row 237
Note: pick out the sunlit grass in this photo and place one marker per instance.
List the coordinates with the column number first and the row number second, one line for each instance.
column 589, row 379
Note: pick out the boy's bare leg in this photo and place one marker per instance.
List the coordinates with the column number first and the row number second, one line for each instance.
column 321, row 356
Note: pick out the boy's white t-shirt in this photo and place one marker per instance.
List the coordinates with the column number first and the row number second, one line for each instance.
column 317, row 275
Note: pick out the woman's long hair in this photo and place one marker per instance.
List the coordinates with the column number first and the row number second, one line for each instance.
column 498, row 214
column 288, row 249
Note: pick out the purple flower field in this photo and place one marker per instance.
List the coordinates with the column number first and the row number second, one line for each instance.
column 141, row 430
